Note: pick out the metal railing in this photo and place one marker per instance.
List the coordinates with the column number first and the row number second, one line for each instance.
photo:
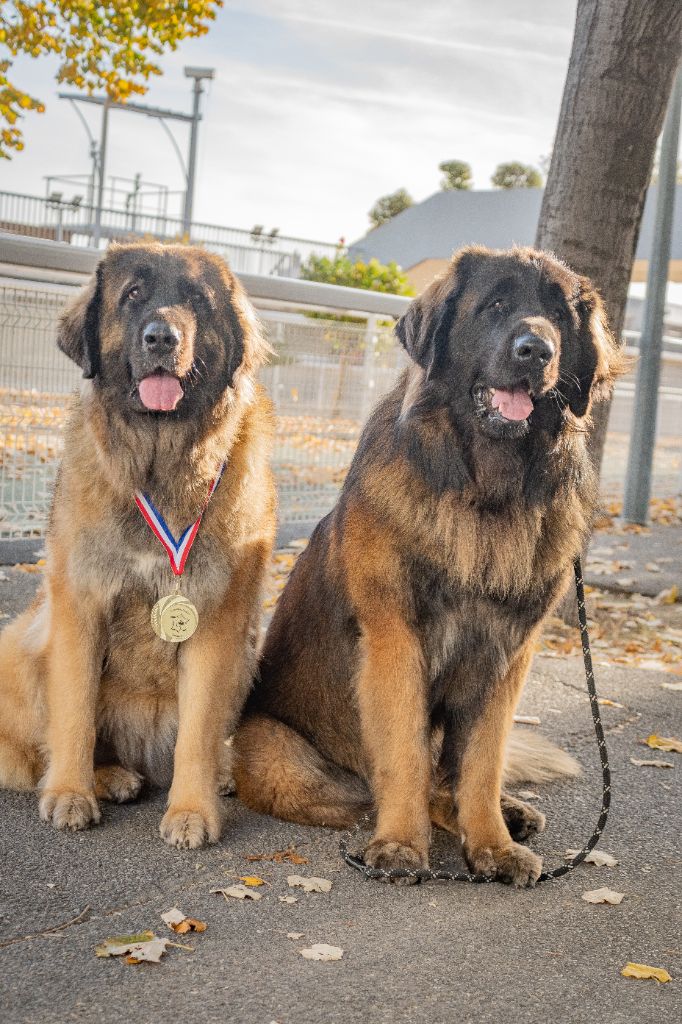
column 324, row 378
column 247, row 251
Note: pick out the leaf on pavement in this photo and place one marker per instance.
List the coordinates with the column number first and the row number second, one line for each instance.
column 137, row 949
column 279, row 856
column 651, row 764
column 667, row 743
column 239, row 892
column 527, row 720
column 603, row 895
column 310, row 884
column 321, row 951
column 609, row 703
column 644, row 971
column 253, row 881
column 669, row 596
column 288, row 899
column 180, row 924
column 672, row 686
column 596, row 857
column 295, row 935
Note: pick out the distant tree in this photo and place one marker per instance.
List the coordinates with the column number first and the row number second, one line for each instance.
column 389, row 206
column 109, row 45
column 457, row 175
column 373, row 275
column 516, row 175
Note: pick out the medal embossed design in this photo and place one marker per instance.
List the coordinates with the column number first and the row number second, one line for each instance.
column 174, row 618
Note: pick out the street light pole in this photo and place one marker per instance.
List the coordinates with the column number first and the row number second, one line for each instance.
column 97, row 229
column 198, row 74
column 643, row 436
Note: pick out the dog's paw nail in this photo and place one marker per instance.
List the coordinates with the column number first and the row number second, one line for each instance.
column 69, row 810
column 390, row 855
column 188, row 830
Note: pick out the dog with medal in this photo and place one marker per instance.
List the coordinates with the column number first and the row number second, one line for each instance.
column 136, row 657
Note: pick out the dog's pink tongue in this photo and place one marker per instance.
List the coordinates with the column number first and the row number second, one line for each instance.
column 514, row 405
column 160, row 392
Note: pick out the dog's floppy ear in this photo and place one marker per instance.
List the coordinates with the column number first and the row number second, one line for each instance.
column 246, row 345
column 78, row 332
column 599, row 359
column 425, row 328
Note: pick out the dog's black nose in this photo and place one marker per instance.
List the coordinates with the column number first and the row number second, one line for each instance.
column 528, row 349
column 159, row 336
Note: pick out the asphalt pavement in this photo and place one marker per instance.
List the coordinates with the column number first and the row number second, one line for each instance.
column 433, row 953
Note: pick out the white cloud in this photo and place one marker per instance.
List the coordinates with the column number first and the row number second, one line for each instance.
column 312, row 115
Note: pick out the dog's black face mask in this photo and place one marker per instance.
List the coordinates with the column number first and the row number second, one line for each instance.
column 510, row 341
column 161, row 330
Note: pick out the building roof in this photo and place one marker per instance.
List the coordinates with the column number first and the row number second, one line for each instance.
column 498, row 218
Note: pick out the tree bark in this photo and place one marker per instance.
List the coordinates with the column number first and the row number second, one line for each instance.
column 623, row 62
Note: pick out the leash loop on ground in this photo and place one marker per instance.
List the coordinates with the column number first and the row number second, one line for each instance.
column 427, row 874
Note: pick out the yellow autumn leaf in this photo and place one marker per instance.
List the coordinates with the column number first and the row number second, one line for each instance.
column 252, row 880
column 667, row 743
column 644, row 971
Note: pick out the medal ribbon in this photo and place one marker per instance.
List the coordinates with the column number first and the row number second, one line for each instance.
column 177, row 550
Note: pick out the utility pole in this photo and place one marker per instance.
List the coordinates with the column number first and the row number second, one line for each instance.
column 199, row 75
column 189, row 172
column 97, row 228
column 643, row 436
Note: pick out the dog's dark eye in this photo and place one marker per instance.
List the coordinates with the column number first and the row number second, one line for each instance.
column 498, row 306
column 133, row 292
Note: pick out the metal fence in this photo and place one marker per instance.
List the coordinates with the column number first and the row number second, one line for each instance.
column 324, row 377
column 73, row 223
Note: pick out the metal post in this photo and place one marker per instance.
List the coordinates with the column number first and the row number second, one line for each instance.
column 97, row 231
column 199, row 75
column 192, row 161
column 368, row 393
column 643, row 435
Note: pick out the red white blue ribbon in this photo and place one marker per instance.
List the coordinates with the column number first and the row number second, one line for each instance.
column 177, row 550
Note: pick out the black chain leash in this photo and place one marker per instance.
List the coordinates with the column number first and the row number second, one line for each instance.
column 426, row 874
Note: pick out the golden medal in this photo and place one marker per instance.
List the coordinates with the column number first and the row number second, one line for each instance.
column 174, row 618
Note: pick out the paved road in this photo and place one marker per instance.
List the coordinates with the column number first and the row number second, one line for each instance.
column 433, row 954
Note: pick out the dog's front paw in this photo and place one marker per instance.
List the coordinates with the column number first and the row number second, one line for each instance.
column 522, row 820
column 512, row 864
column 69, row 810
column 190, row 829
column 389, row 855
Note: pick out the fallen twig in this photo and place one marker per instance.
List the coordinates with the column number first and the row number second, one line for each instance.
column 48, row 931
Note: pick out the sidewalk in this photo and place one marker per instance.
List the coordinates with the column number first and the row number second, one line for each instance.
column 428, row 954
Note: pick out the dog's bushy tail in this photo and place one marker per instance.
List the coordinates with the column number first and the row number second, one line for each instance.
column 532, row 758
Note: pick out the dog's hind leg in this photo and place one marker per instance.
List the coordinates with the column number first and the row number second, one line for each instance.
column 522, row 819
column 22, row 724
column 117, row 784
column 278, row 772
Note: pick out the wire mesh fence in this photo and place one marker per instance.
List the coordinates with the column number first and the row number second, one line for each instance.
column 324, row 377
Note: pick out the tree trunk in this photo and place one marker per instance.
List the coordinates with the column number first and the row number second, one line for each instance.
column 620, row 75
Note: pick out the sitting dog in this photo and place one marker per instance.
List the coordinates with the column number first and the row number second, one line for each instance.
column 400, row 645
column 93, row 700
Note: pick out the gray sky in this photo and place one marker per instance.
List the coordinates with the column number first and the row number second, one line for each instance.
column 318, row 108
